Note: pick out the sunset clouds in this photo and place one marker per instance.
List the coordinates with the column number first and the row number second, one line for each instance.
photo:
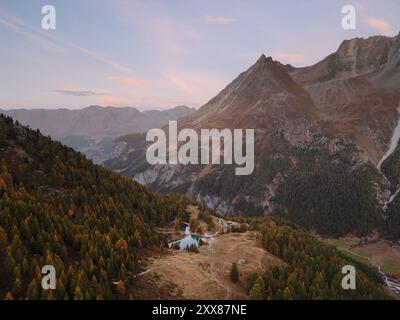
column 380, row 25
column 154, row 54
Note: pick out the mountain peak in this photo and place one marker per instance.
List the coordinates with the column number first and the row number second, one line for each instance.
column 264, row 59
column 257, row 98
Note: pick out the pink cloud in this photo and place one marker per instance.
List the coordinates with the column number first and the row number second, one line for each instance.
column 378, row 24
column 128, row 80
column 218, row 20
column 185, row 85
column 108, row 100
column 286, row 57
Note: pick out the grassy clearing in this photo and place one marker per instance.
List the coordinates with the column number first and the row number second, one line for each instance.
column 205, row 275
column 392, row 267
column 378, row 253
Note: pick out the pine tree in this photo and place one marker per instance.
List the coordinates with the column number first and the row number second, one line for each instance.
column 287, row 295
column 78, row 295
column 33, row 290
column 257, row 291
column 3, row 240
column 17, row 288
column 234, row 273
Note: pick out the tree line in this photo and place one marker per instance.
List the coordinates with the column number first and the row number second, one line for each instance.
column 311, row 269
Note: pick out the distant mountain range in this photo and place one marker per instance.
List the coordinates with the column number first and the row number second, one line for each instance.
column 92, row 130
column 95, row 121
column 321, row 132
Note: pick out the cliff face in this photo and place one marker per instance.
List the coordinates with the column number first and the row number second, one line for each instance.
column 353, row 58
column 356, row 90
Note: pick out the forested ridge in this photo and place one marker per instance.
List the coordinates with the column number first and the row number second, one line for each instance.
column 327, row 189
column 58, row 208
column 313, row 269
column 392, row 223
column 331, row 193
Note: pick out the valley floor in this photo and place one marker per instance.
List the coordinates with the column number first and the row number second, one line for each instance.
column 375, row 253
column 379, row 254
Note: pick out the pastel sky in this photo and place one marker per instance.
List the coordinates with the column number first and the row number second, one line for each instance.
column 159, row 54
